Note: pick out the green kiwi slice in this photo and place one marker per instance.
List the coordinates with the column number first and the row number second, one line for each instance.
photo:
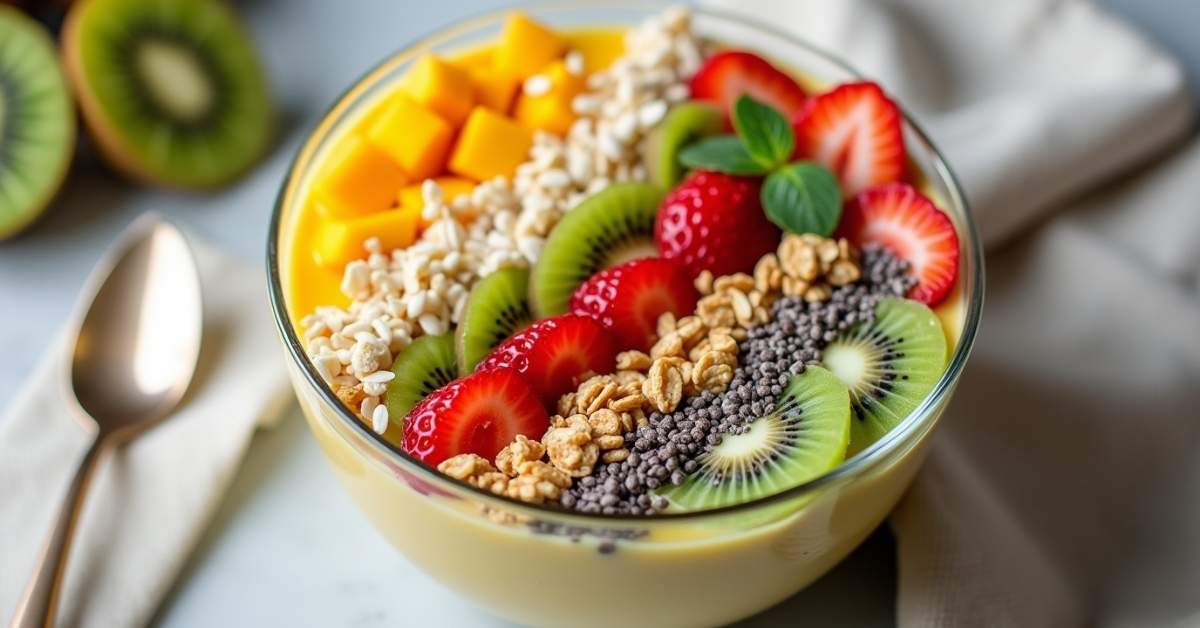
column 172, row 91
column 804, row 436
column 612, row 226
column 889, row 365
column 37, row 121
column 684, row 124
column 497, row 306
column 425, row 366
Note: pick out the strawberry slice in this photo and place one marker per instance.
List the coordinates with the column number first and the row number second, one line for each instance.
column 628, row 298
column 727, row 75
column 900, row 218
column 854, row 131
column 478, row 414
column 555, row 354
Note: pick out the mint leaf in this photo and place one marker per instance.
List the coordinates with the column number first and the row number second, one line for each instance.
column 724, row 153
column 803, row 197
column 767, row 135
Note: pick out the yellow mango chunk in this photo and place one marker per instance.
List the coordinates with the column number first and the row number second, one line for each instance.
column 490, row 145
column 478, row 57
column 341, row 241
column 414, row 137
column 599, row 47
column 551, row 111
column 410, row 196
column 440, row 87
column 359, row 179
column 494, row 89
column 526, row 46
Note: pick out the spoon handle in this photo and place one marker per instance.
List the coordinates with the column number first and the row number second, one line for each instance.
column 38, row 604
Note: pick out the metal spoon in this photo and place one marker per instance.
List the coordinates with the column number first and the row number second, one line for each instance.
column 132, row 360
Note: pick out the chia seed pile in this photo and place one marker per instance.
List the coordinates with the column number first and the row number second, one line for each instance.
column 665, row 452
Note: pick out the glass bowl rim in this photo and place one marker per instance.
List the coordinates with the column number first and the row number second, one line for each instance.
column 848, row 470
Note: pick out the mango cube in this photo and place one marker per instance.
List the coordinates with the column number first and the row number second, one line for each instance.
column 359, row 179
column 551, row 111
column 494, row 89
column 526, row 46
column 490, row 145
column 414, row 137
column 440, row 87
column 599, row 48
column 410, row 196
column 341, row 241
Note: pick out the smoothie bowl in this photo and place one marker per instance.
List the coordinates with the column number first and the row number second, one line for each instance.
column 609, row 315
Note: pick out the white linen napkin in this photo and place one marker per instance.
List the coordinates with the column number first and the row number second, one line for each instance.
column 1062, row 486
column 151, row 500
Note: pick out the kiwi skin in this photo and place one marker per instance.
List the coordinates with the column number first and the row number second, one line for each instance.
column 107, row 138
column 612, row 226
column 497, row 307
column 63, row 166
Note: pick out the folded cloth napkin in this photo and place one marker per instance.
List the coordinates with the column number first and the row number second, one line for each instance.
column 151, row 499
column 1061, row 489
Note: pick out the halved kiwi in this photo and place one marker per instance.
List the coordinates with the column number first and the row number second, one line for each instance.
column 803, row 437
column 889, row 365
column 497, row 306
column 172, row 90
column 684, row 124
column 612, row 226
column 37, row 121
column 425, row 366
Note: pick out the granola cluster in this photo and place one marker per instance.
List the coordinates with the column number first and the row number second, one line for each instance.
column 521, row 475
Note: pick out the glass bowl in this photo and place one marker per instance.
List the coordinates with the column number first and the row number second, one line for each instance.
column 541, row 566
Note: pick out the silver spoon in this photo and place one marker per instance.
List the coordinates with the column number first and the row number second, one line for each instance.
column 132, row 360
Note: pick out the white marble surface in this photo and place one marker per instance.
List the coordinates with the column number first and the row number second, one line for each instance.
column 288, row 547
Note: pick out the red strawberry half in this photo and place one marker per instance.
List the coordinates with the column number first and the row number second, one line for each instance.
column 727, row 75
column 555, row 354
column 900, row 218
column 714, row 221
column 478, row 414
column 854, row 131
column 628, row 298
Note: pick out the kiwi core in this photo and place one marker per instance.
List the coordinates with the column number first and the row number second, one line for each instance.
column 850, row 364
column 739, row 454
column 175, row 79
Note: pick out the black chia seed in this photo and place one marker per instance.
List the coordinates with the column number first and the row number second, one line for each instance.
column 665, row 452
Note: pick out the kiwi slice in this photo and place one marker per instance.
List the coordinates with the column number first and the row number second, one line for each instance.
column 37, row 121
column 683, row 125
column 612, row 226
column 804, row 436
column 172, row 91
column 497, row 306
column 889, row 365
column 425, row 366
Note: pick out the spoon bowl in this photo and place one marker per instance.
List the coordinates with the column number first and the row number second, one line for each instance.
column 137, row 345
column 132, row 360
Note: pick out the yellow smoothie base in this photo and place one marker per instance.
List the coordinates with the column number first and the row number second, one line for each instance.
column 687, row 572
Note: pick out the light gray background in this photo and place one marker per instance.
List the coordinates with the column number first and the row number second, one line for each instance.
column 288, row 547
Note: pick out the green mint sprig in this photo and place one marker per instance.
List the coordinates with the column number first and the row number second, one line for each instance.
column 800, row 197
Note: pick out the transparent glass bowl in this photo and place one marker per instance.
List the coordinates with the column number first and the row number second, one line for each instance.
column 541, row 566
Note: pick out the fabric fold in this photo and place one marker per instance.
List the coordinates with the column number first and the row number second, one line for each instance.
column 151, row 500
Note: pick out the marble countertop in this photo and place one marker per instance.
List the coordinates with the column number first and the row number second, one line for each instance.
column 288, row 547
